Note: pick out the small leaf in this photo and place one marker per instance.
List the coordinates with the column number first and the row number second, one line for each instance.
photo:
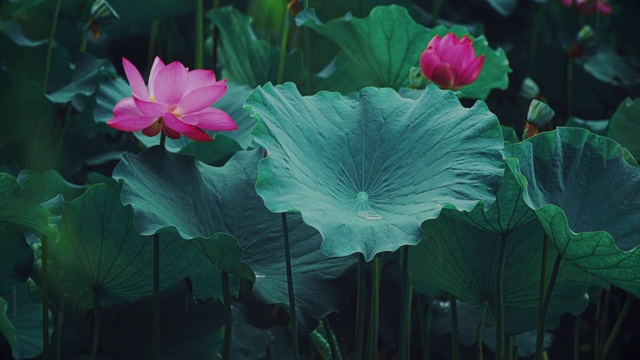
column 625, row 126
column 89, row 71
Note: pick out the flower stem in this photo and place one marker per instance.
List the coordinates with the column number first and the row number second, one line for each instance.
column 500, row 300
column 535, row 32
column 59, row 322
column 156, row 294
column 215, row 37
column 616, row 327
column 576, row 339
column 47, row 64
column 283, row 46
column 455, row 337
column 307, row 55
column 226, row 295
column 374, row 320
column 153, row 39
column 405, row 306
column 545, row 307
column 45, row 297
column 163, row 139
column 543, row 283
column 292, row 302
column 512, row 349
column 97, row 319
column 435, row 11
column 425, row 325
column 362, row 278
column 330, row 338
column 483, row 313
column 199, row 24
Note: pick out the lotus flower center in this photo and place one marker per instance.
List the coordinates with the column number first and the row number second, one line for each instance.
column 362, row 196
column 152, row 98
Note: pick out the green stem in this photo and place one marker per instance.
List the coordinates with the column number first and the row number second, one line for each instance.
column 283, row 46
column 483, row 313
column 543, row 282
column 545, row 307
column 576, row 339
column 215, row 38
column 569, row 85
column 59, row 322
column 268, row 346
column 405, row 306
column 596, row 338
column 435, row 11
column 500, row 299
column 199, row 23
column 153, row 39
column 52, row 33
column 616, row 327
column 343, row 348
column 163, row 139
column 425, row 325
column 156, row 295
column 604, row 321
column 330, row 339
column 83, row 40
column 226, row 295
column 511, row 348
column 535, row 31
column 45, row 297
column 374, row 320
column 455, row 337
column 362, row 278
column 292, row 303
column 307, row 54
column 97, row 319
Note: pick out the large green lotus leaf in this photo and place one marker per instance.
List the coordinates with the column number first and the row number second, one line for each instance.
column 16, row 257
column 89, row 70
column 625, row 126
column 600, row 127
column 462, row 260
column 44, row 187
column 506, row 214
column 221, row 206
column 16, row 210
column 585, row 190
column 247, row 59
column 99, row 249
column 384, row 45
column 366, row 170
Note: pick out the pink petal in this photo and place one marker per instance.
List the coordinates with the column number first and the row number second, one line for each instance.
column 174, row 123
column 429, row 60
column 459, row 56
column 155, row 68
column 198, row 135
column 130, row 122
column 604, row 7
column 444, row 75
column 448, row 41
column 169, row 84
column 212, row 119
column 170, row 133
column 434, row 42
column 150, row 108
column 200, row 99
column 138, row 87
column 126, row 106
column 471, row 73
column 199, row 78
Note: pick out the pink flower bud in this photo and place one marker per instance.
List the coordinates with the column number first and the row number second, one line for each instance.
column 451, row 62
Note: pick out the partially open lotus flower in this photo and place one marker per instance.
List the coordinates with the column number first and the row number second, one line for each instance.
column 451, row 62
column 588, row 7
column 176, row 101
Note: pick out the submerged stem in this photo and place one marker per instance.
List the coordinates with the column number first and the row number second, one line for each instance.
column 292, row 302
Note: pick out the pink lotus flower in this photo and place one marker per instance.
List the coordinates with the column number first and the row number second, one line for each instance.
column 451, row 62
column 176, row 101
column 588, row 7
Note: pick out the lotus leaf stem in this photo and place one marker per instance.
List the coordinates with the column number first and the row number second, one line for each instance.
column 455, row 337
column 483, row 313
column 545, row 307
column 360, row 309
column 226, row 295
column 292, row 302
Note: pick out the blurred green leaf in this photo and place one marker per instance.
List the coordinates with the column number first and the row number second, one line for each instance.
column 600, row 127
column 372, row 168
column 27, row 215
column 6, row 327
column 584, row 189
column 624, row 126
column 89, row 71
column 16, row 257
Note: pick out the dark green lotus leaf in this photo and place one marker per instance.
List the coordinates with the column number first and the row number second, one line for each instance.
column 43, row 187
column 506, row 214
column 247, row 59
column 89, row 70
column 99, row 249
column 600, row 127
column 625, row 126
column 366, row 170
column 585, row 191
column 23, row 213
column 6, row 327
column 220, row 206
column 510, row 135
column 385, row 44
column 462, row 260
column 16, row 257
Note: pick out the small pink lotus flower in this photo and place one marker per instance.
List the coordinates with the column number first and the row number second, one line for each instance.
column 451, row 62
column 176, row 101
column 588, row 7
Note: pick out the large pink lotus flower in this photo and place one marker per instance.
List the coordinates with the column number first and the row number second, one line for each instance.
column 588, row 7
column 175, row 102
column 451, row 62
